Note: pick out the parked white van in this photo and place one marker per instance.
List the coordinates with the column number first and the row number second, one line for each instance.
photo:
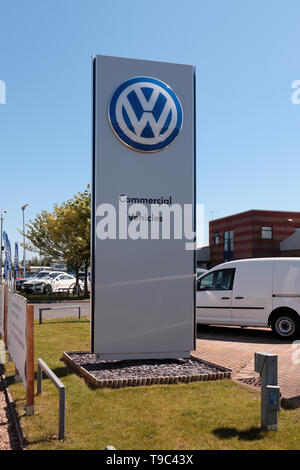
column 258, row 292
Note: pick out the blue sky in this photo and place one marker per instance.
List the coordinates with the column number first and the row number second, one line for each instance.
column 246, row 55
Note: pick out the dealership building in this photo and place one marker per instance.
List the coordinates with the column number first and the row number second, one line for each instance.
column 254, row 234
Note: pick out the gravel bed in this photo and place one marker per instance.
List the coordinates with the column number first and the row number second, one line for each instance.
column 8, row 436
column 130, row 369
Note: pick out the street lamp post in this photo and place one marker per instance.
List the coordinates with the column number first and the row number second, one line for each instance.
column 3, row 211
column 24, row 250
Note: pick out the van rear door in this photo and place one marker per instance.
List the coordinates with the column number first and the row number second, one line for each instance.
column 252, row 293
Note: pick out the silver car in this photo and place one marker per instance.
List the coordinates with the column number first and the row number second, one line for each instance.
column 55, row 281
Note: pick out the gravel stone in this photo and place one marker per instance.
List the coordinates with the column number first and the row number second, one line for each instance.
column 118, row 374
column 8, row 436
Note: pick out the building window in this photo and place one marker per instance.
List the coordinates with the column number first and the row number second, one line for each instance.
column 297, row 229
column 217, row 238
column 266, row 233
column 228, row 245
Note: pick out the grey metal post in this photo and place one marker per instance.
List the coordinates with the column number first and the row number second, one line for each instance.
column 267, row 365
column 57, row 308
column 1, row 248
column 42, row 366
column 1, row 241
column 39, row 379
column 62, row 413
column 24, row 249
column 41, row 315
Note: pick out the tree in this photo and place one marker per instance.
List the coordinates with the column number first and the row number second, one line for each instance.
column 64, row 233
column 40, row 261
column 35, row 261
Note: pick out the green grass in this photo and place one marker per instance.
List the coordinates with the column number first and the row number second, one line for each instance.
column 203, row 415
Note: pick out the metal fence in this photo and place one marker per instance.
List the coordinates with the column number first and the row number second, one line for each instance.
column 42, row 367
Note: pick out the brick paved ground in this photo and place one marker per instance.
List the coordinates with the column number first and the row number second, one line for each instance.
column 234, row 347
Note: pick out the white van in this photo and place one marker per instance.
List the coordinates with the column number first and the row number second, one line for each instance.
column 258, row 292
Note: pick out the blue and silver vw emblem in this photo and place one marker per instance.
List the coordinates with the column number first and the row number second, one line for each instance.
column 145, row 114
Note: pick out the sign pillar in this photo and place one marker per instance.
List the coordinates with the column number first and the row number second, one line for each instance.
column 143, row 207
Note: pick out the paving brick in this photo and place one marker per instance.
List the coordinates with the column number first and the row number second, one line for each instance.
column 234, row 348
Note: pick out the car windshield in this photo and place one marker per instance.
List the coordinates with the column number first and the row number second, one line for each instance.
column 52, row 276
column 39, row 275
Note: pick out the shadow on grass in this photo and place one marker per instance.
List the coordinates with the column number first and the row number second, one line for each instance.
column 251, row 434
column 290, row 403
column 60, row 372
column 46, row 438
column 48, row 321
column 10, row 380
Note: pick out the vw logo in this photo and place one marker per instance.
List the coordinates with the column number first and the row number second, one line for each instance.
column 145, row 114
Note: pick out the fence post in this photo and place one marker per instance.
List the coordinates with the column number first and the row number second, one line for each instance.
column 62, row 413
column 30, row 360
column 39, row 379
column 40, row 316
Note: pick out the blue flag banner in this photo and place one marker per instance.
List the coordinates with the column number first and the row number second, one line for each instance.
column 16, row 260
column 5, row 270
column 7, row 250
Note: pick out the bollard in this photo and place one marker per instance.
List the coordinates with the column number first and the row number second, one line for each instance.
column 266, row 365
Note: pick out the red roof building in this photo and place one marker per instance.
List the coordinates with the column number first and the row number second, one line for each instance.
column 251, row 234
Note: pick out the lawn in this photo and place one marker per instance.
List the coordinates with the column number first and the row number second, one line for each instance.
column 200, row 415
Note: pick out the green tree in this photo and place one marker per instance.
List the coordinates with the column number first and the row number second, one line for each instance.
column 40, row 261
column 64, row 233
column 34, row 261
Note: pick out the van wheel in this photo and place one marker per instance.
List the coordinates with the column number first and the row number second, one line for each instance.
column 285, row 326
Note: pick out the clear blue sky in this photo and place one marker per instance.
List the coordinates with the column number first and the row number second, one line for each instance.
column 246, row 55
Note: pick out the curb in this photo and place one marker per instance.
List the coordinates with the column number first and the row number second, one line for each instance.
column 135, row 382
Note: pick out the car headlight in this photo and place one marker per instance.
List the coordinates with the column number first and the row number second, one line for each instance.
column 39, row 284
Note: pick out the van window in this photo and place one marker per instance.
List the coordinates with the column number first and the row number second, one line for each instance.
column 217, row 280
